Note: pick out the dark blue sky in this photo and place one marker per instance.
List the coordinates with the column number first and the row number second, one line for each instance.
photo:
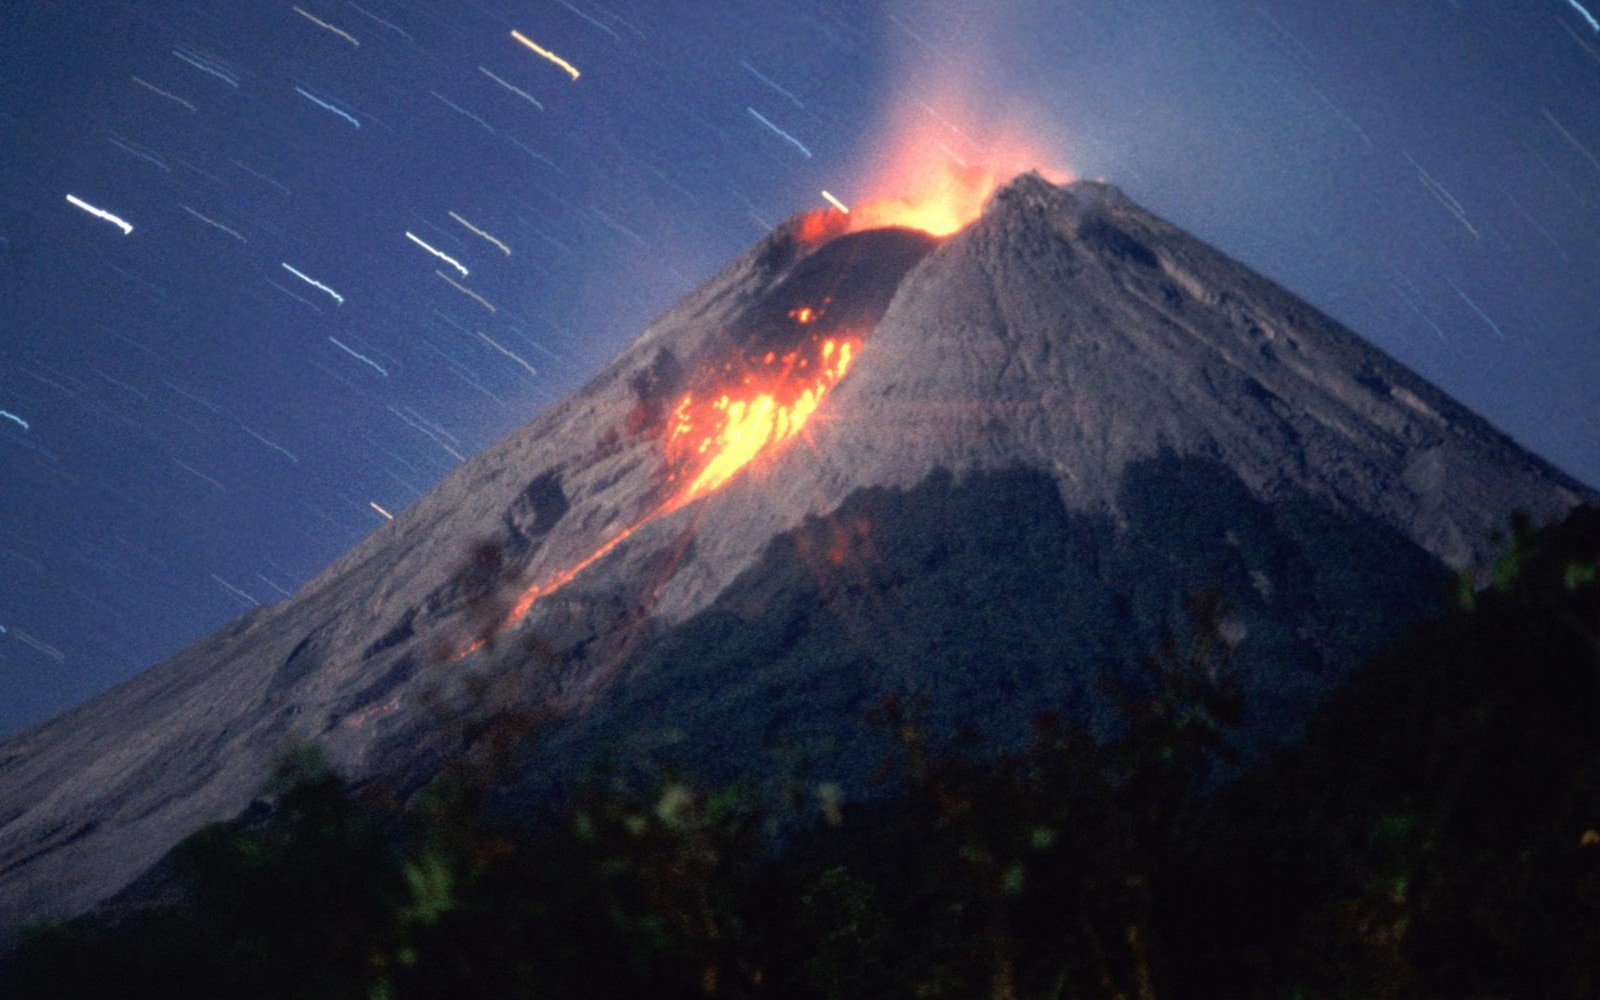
column 187, row 427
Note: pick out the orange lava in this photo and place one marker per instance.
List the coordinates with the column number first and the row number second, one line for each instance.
column 943, row 151
column 939, row 191
column 764, row 401
column 561, row 579
column 817, row 228
column 949, row 199
column 936, row 170
column 715, row 435
column 945, row 195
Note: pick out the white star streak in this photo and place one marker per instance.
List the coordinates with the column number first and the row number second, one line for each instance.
column 314, row 283
column 1475, row 308
column 463, row 289
column 213, row 222
column 101, row 213
column 275, row 446
column 458, row 109
column 603, row 27
column 430, row 434
column 8, row 415
column 347, row 116
column 392, row 27
column 171, row 97
column 507, row 352
column 1444, row 197
column 235, row 591
column 380, row 510
column 1580, row 8
column 298, row 298
column 38, row 645
column 131, row 150
column 413, row 237
column 205, row 66
column 258, row 175
column 263, row 578
column 836, row 203
column 435, row 426
column 359, row 357
column 515, row 90
column 1412, row 305
column 324, row 24
column 185, row 466
column 757, row 74
column 1580, row 147
column 503, row 248
column 780, row 133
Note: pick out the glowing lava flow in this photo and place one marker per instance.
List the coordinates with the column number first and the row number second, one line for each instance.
column 725, row 421
column 561, row 579
column 721, row 435
column 714, row 434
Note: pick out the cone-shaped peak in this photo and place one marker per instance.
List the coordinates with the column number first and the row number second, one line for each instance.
column 1070, row 329
column 1146, row 402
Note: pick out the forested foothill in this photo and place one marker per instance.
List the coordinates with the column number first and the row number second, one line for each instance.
column 1436, row 833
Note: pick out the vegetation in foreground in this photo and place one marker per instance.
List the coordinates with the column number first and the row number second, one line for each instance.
column 1437, row 834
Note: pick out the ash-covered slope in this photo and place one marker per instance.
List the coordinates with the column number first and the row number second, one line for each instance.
column 1071, row 331
column 96, row 795
column 1073, row 418
column 1068, row 380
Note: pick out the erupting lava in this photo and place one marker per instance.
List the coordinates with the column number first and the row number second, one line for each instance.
column 952, row 196
column 743, row 410
column 714, row 436
column 746, row 408
column 936, row 175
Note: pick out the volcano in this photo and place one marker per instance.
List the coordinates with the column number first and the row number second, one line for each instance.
column 984, row 469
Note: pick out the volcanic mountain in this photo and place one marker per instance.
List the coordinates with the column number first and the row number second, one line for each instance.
column 985, row 469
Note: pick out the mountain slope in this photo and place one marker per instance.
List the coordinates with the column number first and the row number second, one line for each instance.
column 1068, row 361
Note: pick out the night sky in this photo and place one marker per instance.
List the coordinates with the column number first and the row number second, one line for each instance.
column 198, row 415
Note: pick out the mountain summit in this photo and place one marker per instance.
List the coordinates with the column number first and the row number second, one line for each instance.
column 985, row 469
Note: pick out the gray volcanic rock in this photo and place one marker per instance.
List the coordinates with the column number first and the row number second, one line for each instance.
column 1070, row 330
column 1068, row 375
